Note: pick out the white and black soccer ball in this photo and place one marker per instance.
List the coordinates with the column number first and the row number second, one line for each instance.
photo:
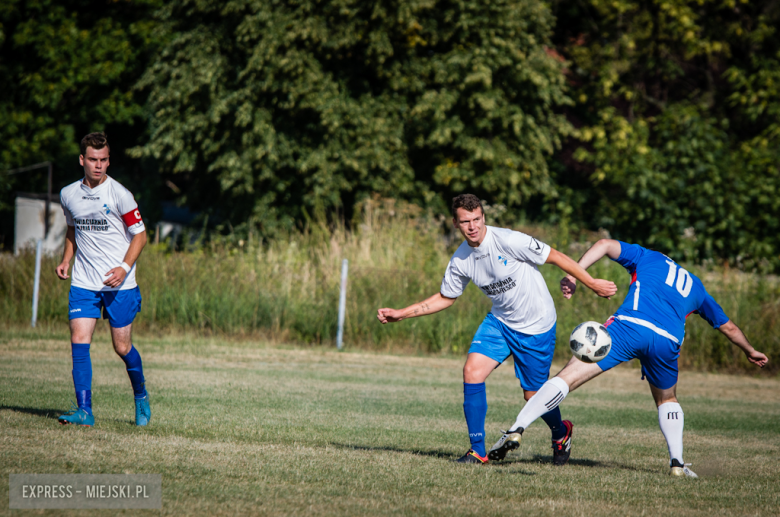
column 590, row 342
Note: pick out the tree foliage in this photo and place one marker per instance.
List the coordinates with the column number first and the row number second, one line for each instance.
column 68, row 67
column 658, row 121
column 678, row 115
column 271, row 109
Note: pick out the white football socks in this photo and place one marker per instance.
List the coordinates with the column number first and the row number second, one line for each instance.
column 671, row 420
column 546, row 399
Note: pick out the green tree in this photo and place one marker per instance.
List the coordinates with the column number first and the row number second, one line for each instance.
column 678, row 116
column 272, row 109
column 68, row 67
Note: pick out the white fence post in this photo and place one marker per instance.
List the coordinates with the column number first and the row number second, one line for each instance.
column 37, row 283
column 342, row 303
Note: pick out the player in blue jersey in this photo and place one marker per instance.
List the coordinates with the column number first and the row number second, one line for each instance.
column 650, row 326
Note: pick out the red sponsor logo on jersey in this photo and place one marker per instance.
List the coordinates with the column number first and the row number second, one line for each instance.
column 132, row 217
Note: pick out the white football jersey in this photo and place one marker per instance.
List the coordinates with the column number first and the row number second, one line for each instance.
column 106, row 218
column 504, row 268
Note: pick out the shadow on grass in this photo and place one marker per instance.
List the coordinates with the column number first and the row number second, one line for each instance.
column 46, row 413
column 580, row 462
column 433, row 454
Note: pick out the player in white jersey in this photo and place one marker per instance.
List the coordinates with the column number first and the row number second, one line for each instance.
column 106, row 234
column 503, row 264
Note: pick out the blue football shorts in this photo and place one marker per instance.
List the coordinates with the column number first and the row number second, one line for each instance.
column 532, row 354
column 119, row 307
column 658, row 354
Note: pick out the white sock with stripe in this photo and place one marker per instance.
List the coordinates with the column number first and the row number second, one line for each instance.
column 546, row 399
column 672, row 420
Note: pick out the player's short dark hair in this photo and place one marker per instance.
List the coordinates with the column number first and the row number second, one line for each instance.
column 96, row 141
column 468, row 202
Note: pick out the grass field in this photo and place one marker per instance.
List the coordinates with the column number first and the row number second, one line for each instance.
column 241, row 427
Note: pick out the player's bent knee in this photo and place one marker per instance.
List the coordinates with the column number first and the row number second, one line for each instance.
column 123, row 350
column 474, row 375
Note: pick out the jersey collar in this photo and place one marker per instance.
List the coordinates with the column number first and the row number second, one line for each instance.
column 482, row 247
column 97, row 189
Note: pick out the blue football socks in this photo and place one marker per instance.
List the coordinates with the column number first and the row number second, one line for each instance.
column 554, row 422
column 82, row 375
column 135, row 371
column 475, row 408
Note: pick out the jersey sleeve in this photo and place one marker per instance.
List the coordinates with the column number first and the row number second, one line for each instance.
column 711, row 312
column 528, row 249
column 630, row 254
column 128, row 210
column 454, row 283
column 66, row 211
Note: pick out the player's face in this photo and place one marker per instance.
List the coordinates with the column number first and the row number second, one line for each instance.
column 471, row 225
column 95, row 163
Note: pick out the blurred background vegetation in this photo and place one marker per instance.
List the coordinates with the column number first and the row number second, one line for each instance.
column 282, row 123
column 287, row 290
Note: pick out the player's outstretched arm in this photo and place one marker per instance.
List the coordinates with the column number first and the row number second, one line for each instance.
column 736, row 336
column 116, row 276
column 603, row 288
column 435, row 303
column 67, row 253
column 608, row 247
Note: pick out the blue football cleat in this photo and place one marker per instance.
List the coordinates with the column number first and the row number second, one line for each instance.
column 143, row 413
column 77, row 416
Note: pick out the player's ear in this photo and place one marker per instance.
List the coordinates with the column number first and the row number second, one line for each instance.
column 81, row 160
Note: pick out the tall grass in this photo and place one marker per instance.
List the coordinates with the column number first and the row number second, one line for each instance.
column 287, row 289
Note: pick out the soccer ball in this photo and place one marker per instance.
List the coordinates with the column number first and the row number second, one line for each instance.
column 590, row 342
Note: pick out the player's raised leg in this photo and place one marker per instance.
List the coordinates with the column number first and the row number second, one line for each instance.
column 549, row 396
column 81, row 330
column 533, row 355
column 475, row 372
column 123, row 346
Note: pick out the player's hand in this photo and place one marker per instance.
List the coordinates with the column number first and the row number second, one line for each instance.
column 62, row 270
column 568, row 286
column 388, row 315
column 115, row 277
column 757, row 358
column 604, row 288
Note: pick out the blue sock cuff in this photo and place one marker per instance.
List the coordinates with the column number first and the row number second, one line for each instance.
column 473, row 389
column 132, row 358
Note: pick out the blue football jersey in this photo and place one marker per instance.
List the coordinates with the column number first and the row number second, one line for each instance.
column 663, row 293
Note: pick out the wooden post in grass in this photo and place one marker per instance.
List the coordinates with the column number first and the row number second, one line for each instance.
column 37, row 281
column 342, row 303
